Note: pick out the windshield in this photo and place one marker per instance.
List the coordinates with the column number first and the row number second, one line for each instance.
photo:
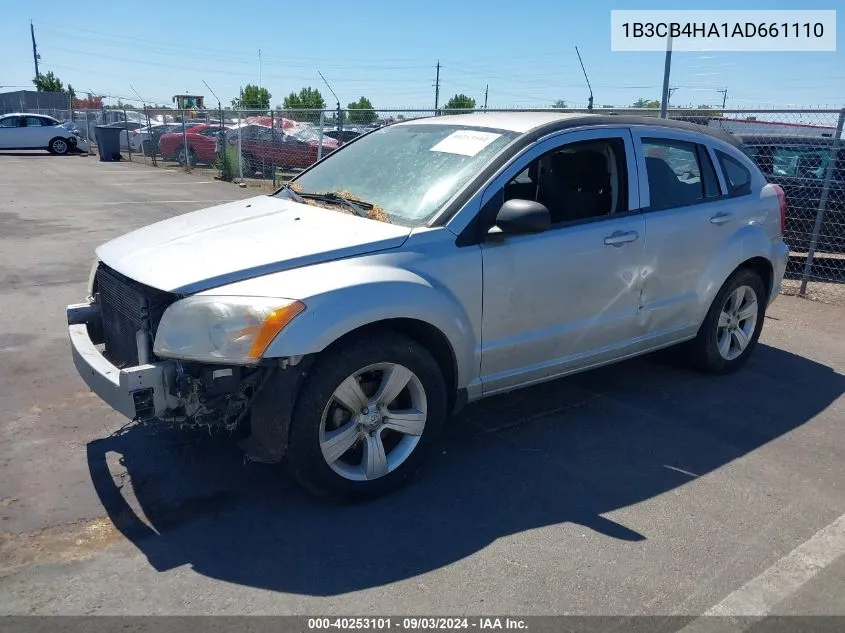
column 408, row 170
column 303, row 133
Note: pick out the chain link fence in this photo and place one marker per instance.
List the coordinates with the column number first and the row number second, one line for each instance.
column 800, row 150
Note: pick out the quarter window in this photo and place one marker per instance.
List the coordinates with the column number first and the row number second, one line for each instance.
column 738, row 178
column 675, row 174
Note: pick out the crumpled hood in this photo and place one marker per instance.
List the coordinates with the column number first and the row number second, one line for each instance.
column 239, row 240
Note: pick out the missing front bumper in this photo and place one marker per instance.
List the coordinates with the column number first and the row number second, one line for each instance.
column 139, row 393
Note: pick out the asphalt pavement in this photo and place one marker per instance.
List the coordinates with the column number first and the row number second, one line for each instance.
column 637, row 489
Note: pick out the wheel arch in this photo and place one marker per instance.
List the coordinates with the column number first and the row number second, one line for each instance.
column 750, row 248
column 762, row 267
column 272, row 411
column 425, row 334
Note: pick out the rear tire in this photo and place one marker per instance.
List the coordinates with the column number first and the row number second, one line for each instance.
column 191, row 158
column 356, row 451
column 731, row 329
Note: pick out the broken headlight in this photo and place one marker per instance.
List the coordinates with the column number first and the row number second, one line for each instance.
column 222, row 329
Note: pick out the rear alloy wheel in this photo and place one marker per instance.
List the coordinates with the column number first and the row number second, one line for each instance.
column 59, row 146
column 732, row 326
column 366, row 417
column 191, row 159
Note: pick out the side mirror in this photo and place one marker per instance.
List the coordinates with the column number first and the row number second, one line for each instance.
column 519, row 217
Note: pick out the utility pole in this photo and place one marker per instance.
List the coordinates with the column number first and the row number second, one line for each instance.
column 724, row 92
column 339, row 111
column 587, row 79
column 664, row 102
column 437, row 88
column 486, row 88
column 260, row 83
column 35, row 55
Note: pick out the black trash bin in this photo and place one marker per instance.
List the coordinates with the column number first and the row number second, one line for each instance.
column 108, row 142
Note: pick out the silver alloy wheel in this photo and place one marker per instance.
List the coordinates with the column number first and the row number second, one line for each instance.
column 183, row 160
column 59, row 146
column 737, row 321
column 373, row 421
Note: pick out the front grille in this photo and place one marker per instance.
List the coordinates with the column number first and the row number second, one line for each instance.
column 127, row 306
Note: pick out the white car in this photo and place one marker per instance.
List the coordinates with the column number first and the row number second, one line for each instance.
column 38, row 131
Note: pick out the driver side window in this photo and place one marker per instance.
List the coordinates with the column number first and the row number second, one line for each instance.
column 576, row 182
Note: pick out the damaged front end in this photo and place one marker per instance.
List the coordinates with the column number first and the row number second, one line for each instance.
column 112, row 338
column 213, row 396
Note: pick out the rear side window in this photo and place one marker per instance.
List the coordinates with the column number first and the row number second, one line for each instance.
column 676, row 177
column 9, row 121
column 737, row 176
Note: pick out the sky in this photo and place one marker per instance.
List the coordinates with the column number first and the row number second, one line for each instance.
column 523, row 53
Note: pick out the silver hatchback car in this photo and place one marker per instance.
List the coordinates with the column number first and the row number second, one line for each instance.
column 338, row 322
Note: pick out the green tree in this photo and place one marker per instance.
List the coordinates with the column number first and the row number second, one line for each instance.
column 460, row 102
column 308, row 99
column 361, row 111
column 644, row 103
column 560, row 103
column 252, row 98
column 48, row 83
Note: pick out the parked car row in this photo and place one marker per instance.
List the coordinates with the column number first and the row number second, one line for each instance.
column 263, row 148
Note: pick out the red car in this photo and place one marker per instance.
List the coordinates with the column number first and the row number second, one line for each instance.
column 201, row 140
column 292, row 148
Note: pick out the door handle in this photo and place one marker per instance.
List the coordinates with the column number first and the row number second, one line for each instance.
column 618, row 238
column 720, row 218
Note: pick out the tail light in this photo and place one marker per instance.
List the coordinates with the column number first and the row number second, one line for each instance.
column 782, row 200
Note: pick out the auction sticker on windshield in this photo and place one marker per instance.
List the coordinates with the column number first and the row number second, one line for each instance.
column 465, row 142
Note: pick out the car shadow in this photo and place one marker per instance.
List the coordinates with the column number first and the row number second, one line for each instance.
column 565, row 451
column 38, row 154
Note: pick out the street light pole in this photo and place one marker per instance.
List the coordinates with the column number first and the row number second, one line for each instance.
column 664, row 102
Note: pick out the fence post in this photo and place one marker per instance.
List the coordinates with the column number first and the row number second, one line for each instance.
column 149, row 141
column 339, row 125
column 240, row 149
column 224, row 159
column 87, row 131
column 185, row 143
column 320, row 135
column 273, row 145
column 828, row 178
column 126, row 131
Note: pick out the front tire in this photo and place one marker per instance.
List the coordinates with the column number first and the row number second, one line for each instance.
column 366, row 418
column 731, row 329
column 59, row 146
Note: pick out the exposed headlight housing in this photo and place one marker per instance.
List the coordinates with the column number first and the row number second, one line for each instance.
column 234, row 330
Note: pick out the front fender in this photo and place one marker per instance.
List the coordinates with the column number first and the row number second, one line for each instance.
column 385, row 293
column 749, row 242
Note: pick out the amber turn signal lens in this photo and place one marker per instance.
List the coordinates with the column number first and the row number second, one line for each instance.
column 272, row 325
